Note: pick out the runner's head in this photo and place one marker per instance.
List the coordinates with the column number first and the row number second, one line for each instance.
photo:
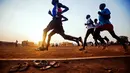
column 55, row 1
column 88, row 16
column 102, row 6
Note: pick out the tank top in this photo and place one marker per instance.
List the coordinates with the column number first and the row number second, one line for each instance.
column 55, row 10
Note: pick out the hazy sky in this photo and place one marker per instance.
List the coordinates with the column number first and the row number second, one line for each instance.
column 26, row 19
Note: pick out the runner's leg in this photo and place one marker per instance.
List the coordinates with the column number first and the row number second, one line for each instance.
column 118, row 39
column 71, row 38
column 97, row 36
column 49, row 38
column 48, row 28
column 89, row 31
column 96, row 43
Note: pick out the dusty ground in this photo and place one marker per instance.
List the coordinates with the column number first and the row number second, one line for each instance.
column 58, row 52
column 116, row 65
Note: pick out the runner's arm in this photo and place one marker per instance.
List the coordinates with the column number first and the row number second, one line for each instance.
column 85, row 24
column 65, row 8
column 102, row 14
column 93, row 25
column 64, row 18
column 49, row 12
column 105, row 15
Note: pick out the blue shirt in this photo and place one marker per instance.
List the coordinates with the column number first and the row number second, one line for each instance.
column 103, row 21
column 54, row 10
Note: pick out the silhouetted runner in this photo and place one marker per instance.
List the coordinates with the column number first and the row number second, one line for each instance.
column 90, row 27
column 56, row 25
column 105, row 24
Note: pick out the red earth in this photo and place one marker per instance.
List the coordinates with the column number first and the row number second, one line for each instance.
column 106, row 65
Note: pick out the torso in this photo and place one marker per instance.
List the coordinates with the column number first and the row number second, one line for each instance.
column 90, row 26
column 101, row 18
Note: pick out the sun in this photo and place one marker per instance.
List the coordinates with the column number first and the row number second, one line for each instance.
column 35, row 37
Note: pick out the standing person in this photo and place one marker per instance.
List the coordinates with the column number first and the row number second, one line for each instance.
column 16, row 43
column 105, row 24
column 90, row 27
column 56, row 26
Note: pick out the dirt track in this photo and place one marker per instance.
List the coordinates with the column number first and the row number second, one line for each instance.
column 116, row 65
column 58, row 52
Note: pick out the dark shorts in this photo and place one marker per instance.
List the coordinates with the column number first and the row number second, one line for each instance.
column 56, row 26
column 90, row 31
column 108, row 27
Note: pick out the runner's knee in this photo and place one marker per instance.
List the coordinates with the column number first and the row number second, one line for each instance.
column 49, row 36
column 64, row 36
column 45, row 30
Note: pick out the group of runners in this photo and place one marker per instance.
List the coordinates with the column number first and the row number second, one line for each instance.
column 94, row 28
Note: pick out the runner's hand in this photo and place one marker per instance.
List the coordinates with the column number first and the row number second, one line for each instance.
column 99, row 12
column 85, row 23
column 49, row 12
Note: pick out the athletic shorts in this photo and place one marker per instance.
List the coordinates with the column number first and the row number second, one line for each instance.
column 55, row 25
column 108, row 27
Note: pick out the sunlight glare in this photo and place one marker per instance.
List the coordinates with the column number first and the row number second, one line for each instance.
column 35, row 37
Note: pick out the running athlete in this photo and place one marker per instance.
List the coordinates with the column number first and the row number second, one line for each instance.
column 90, row 27
column 56, row 25
column 105, row 24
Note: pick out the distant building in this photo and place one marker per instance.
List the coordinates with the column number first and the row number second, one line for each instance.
column 24, row 43
column 5, row 43
column 27, row 43
column 66, row 44
column 54, row 44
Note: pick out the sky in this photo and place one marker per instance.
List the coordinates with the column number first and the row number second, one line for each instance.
column 25, row 19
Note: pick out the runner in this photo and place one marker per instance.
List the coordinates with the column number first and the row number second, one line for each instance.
column 105, row 24
column 90, row 27
column 56, row 25
column 96, row 25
